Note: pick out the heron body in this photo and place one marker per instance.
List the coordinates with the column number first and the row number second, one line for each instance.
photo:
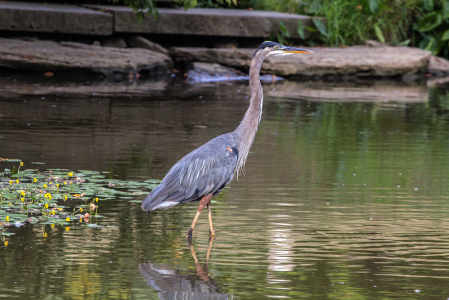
column 204, row 172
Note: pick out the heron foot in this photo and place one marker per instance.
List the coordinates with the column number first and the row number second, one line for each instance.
column 189, row 233
column 212, row 233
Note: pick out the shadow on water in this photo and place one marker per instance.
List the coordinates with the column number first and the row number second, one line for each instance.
column 183, row 285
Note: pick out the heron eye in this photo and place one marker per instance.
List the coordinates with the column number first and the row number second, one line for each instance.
column 276, row 47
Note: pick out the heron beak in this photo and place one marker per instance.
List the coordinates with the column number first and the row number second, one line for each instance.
column 293, row 50
column 289, row 51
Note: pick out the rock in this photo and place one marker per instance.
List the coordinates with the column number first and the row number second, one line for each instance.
column 205, row 72
column 236, row 58
column 438, row 65
column 437, row 81
column 57, row 18
column 213, row 68
column 375, row 44
column 141, row 42
column 83, row 39
column 115, row 42
column 96, row 43
column 358, row 60
column 227, row 43
column 79, row 45
column 209, row 22
column 43, row 56
column 26, row 38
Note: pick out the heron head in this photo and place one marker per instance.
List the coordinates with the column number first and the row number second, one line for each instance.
column 275, row 49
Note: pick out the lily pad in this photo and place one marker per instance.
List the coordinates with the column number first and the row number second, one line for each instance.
column 94, row 226
column 59, row 197
column 7, row 233
column 12, row 160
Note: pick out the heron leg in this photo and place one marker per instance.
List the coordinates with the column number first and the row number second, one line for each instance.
column 211, row 240
column 189, row 242
column 204, row 201
column 211, row 226
column 200, row 270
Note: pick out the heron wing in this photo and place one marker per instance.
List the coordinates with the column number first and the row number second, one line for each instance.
column 203, row 171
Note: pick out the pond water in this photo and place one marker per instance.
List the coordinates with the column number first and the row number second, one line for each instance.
column 345, row 196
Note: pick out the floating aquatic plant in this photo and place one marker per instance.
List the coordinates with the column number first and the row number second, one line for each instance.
column 32, row 196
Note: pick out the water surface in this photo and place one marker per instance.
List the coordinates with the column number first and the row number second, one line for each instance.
column 345, row 194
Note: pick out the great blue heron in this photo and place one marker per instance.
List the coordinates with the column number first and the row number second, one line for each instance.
column 204, row 172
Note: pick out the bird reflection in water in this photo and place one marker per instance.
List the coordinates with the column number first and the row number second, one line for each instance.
column 176, row 284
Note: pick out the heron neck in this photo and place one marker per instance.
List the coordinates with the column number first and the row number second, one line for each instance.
column 247, row 129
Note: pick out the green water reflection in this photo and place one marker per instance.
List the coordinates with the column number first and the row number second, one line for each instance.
column 340, row 199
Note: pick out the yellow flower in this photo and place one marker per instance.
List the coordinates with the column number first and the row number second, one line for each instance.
column 44, row 234
column 45, row 185
column 67, row 228
column 52, row 212
column 81, row 220
column 70, row 174
column 22, row 193
column 6, row 243
column 17, row 181
column 67, row 219
column 46, row 205
column 35, row 180
column 7, row 218
column 21, row 163
column 81, row 210
column 50, row 183
column 60, row 208
column 65, row 182
column 23, row 199
column 10, row 182
column 65, row 197
column 57, row 185
column 52, row 225
column 96, row 199
column 45, row 214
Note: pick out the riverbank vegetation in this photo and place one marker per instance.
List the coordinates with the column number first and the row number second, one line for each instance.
column 419, row 23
